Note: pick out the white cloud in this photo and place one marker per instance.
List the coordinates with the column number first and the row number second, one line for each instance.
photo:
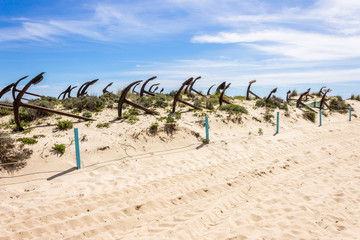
column 290, row 43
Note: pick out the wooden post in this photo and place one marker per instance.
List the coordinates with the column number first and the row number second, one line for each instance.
column 320, row 117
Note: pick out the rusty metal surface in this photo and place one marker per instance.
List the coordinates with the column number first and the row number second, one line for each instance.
column 143, row 91
column 177, row 96
column 272, row 92
column 66, row 92
column 84, row 87
column 208, row 92
column 299, row 102
column 321, row 90
column 248, row 92
column 323, row 99
column 288, row 98
column 154, row 85
column 221, row 98
column 137, row 84
column 191, row 88
column 17, row 102
column 105, row 88
column 220, row 87
column 123, row 100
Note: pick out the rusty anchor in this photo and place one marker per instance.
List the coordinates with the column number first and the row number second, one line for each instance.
column 161, row 90
column 323, row 99
column 191, row 87
column 142, row 91
column 133, row 90
column 221, row 98
column 123, row 100
column 300, row 103
column 272, row 92
column 177, row 96
column 2, row 93
column 156, row 87
column 17, row 102
column 248, row 92
column 208, row 92
column 220, row 87
column 105, row 88
column 66, row 92
column 321, row 90
column 82, row 90
column 288, row 99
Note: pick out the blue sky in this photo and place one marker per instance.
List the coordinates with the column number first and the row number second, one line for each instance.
column 281, row 43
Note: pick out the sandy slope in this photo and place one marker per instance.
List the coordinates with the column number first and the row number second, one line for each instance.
column 300, row 184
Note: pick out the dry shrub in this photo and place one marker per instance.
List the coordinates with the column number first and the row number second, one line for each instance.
column 170, row 128
column 12, row 155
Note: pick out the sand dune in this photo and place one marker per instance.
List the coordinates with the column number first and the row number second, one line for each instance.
column 302, row 183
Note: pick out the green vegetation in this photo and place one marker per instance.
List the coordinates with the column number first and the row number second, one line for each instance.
column 64, row 125
column 353, row 97
column 260, row 131
column 309, row 115
column 89, row 103
column 274, row 102
column 5, row 111
column 12, row 156
column 170, row 119
column 26, row 140
column 268, row 116
column 39, row 136
column 234, row 108
column 293, row 93
column 338, row 104
column 87, row 114
column 154, row 128
column 60, row 148
column 103, row 125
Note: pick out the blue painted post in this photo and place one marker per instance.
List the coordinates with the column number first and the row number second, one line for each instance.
column 207, row 129
column 77, row 148
column 320, row 117
column 350, row 114
column 277, row 123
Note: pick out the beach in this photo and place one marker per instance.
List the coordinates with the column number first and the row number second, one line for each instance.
column 247, row 183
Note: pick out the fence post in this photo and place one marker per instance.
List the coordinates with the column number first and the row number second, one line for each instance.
column 350, row 114
column 77, row 148
column 277, row 122
column 207, row 129
column 320, row 117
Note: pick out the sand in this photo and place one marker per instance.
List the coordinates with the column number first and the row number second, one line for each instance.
column 302, row 183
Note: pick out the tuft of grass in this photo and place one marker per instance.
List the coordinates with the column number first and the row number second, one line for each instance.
column 103, row 125
column 60, row 148
column 39, row 136
column 170, row 119
column 260, row 131
column 64, row 125
column 309, row 116
column 293, row 93
column 338, row 104
column 12, row 156
column 87, row 114
column 154, row 128
column 27, row 140
column 5, row 111
column 233, row 108
column 268, row 116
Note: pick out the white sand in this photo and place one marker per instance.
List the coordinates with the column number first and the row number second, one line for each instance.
column 300, row 184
